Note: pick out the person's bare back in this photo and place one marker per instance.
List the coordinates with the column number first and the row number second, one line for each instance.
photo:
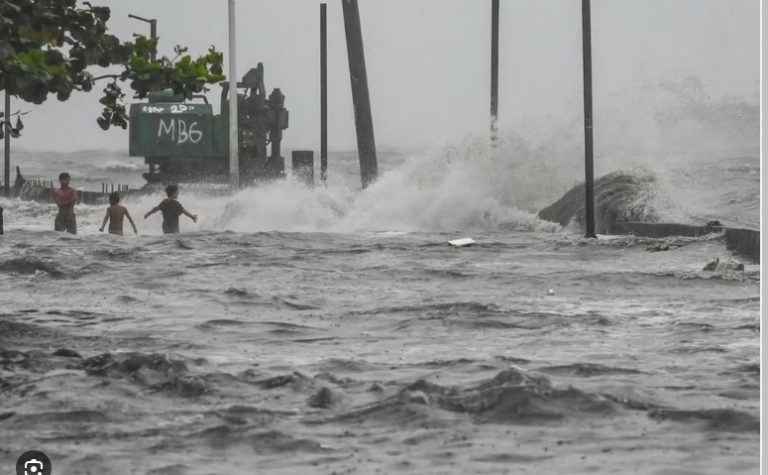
column 115, row 215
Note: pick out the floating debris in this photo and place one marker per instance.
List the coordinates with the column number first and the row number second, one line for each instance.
column 464, row 242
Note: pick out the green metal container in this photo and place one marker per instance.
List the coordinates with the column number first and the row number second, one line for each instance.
column 175, row 129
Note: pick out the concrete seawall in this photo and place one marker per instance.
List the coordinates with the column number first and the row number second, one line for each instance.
column 743, row 241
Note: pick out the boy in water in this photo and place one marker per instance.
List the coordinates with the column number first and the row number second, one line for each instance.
column 171, row 210
column 115, row 215
column 65, row 197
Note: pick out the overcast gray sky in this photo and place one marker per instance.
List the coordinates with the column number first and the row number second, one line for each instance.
column 428, row 61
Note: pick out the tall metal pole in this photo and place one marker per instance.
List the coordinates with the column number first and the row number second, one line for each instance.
column 366, row 144
column 589, row 180
column 494, row 70
column 153, row 35
column 7, row 161
column 323, row 94
column 234, row 143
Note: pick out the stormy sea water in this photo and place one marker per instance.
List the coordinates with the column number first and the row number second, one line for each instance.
column 329, row 330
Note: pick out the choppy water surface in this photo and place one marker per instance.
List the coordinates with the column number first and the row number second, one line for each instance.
column 376, row 352
column 295, row 330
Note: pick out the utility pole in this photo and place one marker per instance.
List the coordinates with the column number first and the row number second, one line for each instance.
column 7, row 161
column 366, row 144
column 152, row 30
column 494, row 71
column 589, row 180
column 234, row 142
column 323, row 94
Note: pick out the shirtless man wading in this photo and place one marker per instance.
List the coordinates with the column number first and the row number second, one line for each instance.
column 65, row 197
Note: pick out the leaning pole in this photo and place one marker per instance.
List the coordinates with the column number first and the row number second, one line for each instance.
column 366, row 144
column 589, row 179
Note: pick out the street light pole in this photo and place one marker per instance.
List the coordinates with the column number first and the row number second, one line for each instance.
column 153, row 35
column 234, row 168
column 152, row 30
column 7, row 161
column 323, row 94
column 589, row 178
column 494, row 71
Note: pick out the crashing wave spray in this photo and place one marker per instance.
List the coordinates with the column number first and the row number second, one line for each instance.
column 459, row 188
column 464, row 187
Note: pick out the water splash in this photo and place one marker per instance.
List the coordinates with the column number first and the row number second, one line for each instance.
column 461, row 187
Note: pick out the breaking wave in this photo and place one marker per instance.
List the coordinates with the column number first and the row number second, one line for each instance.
column 619, row 196
column 521, row 185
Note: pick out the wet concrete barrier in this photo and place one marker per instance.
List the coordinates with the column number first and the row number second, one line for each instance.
column 743, row 241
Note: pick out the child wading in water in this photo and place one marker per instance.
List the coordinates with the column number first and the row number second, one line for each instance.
column 171, row 210
column 115, row 215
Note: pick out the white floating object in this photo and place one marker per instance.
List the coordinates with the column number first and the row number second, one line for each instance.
column 551, row 292
column 462, row 242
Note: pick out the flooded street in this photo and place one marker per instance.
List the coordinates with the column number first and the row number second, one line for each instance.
column 529, row 352
column 377, row 259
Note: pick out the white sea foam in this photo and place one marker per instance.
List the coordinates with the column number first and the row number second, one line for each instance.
column 461, row 187
column 458, row 188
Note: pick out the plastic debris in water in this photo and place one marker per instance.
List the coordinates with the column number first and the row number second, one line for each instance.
column 551, row 292
column 462, row 242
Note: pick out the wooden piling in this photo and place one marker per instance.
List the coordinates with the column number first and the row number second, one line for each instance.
column 366, row 144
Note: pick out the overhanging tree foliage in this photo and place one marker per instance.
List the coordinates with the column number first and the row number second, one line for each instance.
column 50, row 47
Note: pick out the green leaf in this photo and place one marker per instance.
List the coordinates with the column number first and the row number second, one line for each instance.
column 34, row 65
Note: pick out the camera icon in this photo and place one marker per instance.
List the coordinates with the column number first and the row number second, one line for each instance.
column 33, row 462
column 33, row 467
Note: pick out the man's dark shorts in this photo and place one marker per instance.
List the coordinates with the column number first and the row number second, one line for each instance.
column 65, row 222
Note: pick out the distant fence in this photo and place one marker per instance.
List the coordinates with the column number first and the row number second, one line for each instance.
column 42, row 190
